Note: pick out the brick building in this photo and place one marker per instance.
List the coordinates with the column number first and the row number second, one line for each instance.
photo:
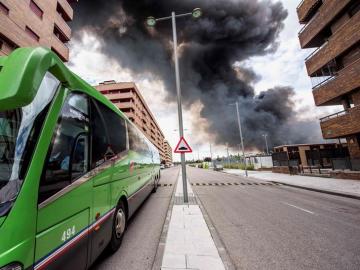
column 332, row 28
column 168, row 153
column 31, row 23
column 127, row 97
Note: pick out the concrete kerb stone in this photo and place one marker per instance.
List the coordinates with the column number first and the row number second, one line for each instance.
column 162, row 241
column 190, row 241
column 326, row 191
column 224, row 254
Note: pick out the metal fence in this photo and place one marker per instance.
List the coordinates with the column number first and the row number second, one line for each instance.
column 346, row 164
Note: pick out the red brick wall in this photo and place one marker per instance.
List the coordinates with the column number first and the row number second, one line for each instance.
column 354, row 146
column 338, row 43
column 356, row 98
column 282, row 169
column 326, row 14
column 345, row 82
column 345, row 175
column 342, row 126
column 304, row 9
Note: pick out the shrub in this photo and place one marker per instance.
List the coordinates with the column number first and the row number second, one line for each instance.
column 240, row 166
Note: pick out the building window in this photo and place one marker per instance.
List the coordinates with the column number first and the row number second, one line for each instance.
column 59, row 34
column 4, row 9
column 35, row 8
column 114, row 92
column 32, row 34
column 60, row 10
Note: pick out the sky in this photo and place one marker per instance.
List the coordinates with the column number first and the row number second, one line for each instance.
column 285, row 67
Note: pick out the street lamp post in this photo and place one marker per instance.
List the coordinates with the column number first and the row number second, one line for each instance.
column 241, row 135
column 266, row 143
column 227, row 151
column 151, row 21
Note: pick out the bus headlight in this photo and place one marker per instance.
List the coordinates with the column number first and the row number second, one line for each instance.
column 12, row 266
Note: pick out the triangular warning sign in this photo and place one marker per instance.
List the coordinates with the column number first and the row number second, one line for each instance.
column 182, row 147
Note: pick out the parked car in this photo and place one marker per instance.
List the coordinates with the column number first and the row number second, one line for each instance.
column 162, row 166
column 218, row 167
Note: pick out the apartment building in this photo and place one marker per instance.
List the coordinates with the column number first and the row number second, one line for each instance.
column 127, row 97
column 168, row 153
column 332, row 29
column 30, row 23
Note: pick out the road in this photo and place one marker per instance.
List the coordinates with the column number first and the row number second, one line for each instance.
column 261, row 226
column 278, row 227
column 141, row 240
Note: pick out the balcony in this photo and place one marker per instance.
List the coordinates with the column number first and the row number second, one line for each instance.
column 60, row 48
column 63, row 27
column 341, row 124
column 130, row 114
column 330, row 91
column 310, row 35
column 347, row 36
column 124, row 105
column 306, row 8
column 120, row 95
column 65, row 6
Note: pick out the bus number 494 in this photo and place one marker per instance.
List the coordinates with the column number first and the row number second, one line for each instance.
column 68, row 234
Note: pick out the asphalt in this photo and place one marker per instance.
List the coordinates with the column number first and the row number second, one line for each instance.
column 140, row 243
column 279, row 227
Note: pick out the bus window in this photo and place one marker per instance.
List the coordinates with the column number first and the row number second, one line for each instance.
column 115, row 126
column 137, row 141
column 68, row 157
column 19, row 132
column 99, row 138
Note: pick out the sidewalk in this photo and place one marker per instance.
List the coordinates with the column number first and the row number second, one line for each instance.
column 344, row 186
column 189, row 244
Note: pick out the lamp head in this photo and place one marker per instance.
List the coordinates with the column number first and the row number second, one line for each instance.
column 197, row 13
column 151, row 21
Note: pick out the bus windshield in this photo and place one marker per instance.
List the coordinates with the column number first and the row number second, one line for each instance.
column 19, row 131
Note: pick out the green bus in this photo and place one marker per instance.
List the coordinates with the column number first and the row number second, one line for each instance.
column 73, row 168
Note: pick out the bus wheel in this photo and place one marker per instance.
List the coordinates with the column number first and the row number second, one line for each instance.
column 119, row 226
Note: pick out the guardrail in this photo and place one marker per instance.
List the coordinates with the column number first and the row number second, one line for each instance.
column 316, row 51
column 300, row 4
column 334, row 115
column 328, row 79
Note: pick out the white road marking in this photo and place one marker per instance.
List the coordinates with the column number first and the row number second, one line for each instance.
column 297, row 207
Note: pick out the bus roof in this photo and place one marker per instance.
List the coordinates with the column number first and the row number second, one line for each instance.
column 22, row 72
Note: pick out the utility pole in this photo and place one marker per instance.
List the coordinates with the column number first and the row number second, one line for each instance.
column 211, row 154
column 227, row 150
column 241, row 135
column 266, row 143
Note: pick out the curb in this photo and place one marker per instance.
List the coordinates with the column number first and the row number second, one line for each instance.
column 156, row 265
column 219, row 244
column 326, row 191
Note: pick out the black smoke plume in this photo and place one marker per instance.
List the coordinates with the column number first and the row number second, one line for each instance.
column 231, row 31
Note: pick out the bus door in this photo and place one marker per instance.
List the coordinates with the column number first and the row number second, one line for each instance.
column 102, row 163
column 65, row 192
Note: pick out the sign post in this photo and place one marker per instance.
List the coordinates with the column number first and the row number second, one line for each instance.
column 181, row 148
